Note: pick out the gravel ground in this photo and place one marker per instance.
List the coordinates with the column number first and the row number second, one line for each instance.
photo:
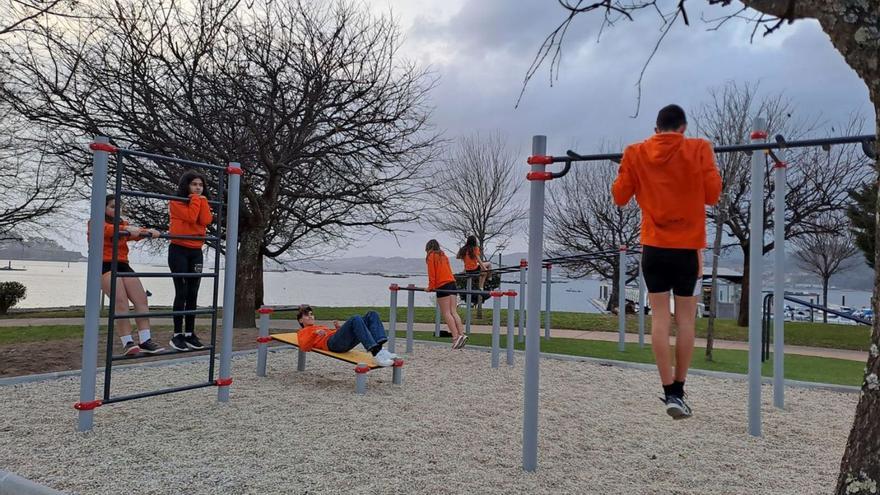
column 454, row 427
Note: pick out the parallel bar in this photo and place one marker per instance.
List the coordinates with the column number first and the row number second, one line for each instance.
column 642, row 302
column 392, row 321
column 93, row 287
column 163, row 314
column 144, row 355
column 522, row 300
column 229, row 279
column 410, row 320
column 154, row 393
column 496, row 330
column 467, row 306
column 755, row 277
column 621, row 300
column 510, row 335
column 531, row 370
column 164, row 197
column 165, row 275
column 547, row 306
column 172, row 159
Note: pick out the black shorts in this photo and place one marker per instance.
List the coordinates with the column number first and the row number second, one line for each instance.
column 473, row 273
column 668, row 269
column 442, row 290
column 121, row 267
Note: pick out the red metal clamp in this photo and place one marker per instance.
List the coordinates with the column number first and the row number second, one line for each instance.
column 109, row 148
column 398, row 363
column 623, row 248
column 496, row 293
column 539, row 176
column 223, row 382
column 265, row 310
column 523, row 263
column 394, row 287
column 780, row 164
column 361, row 369
column 540, row 160
column 759, row 135
column 87, row 406
column 230, row 170
column 510, row 293
column 264, row 340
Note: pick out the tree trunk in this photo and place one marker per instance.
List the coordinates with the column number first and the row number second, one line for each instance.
column 859, row 468
column 742, row 318
column 713, row 293
column 615, row 293
column 825, row 299
column 248, row 276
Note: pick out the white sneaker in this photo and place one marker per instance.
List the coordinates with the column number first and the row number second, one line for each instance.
column 383, row 358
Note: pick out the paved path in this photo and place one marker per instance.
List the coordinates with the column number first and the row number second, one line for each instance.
column 429, row 327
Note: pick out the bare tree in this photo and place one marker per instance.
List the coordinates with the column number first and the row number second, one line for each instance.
column 581, row 218
column 853, row 30
column 817, row 182
column 478, row 187
column 719, row 215
column 826, row 253
column 330, row 128
column 16, row 14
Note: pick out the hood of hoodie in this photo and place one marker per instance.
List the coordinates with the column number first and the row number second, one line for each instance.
column 661, row 147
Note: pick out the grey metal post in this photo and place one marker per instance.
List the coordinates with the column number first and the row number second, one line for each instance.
column 621, row 300
column 300, row 360
column 531, row 370
column 467, row 306
column 436, row 317
column 410, row 317
column 779, row 289
column 511, row 296
column 234, row 172
column 642, row 303
column 547, row 305
column 397, row 372
column 263, row 346
column 392, row 317
column 93, row 287
column 496, row 327
column 759, row 134
column 523, row 264
column 360, row 384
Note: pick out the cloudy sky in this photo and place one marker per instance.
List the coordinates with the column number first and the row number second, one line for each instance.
column 481, row 50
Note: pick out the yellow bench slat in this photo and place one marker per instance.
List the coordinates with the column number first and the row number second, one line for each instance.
column 353, row 357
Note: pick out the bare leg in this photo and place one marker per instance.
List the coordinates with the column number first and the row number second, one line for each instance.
column 138, row 296
column 685, row 323
column 660, row 323
column 449, row 314
column 121, row 325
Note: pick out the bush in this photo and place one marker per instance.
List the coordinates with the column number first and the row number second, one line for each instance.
column 10, row 294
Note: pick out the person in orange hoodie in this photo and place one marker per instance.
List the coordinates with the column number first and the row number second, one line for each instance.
column 442, row 281
column 127, row 288
column 366, row 330
column 189, row 217
column 473, row 264
column 673, row 178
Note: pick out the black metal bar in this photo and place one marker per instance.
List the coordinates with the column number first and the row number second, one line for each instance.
column 828, row 310
column 144, row 355
column 219, row 218
column 163, row 197
column 124, row 398
column 114, row 267
column 165, row 275
column 165, row 314
column 576, row 157
column 180, row 161
column 205, row 238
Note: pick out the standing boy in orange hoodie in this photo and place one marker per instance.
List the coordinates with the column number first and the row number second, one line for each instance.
column 673, row 178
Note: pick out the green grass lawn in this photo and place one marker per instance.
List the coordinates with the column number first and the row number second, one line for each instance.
column 805, row 368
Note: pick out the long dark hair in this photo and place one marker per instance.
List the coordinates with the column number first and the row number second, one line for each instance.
column 432, row 247
column 186, row 178
column 468, row 248
column 108, row 218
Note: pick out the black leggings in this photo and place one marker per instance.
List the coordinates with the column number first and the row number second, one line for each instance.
column 186, row 290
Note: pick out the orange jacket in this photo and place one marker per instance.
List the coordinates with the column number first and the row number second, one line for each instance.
column 673, row 178
column 314, row 337
column 122, row 251
column 439, row 271
column 472, row 263
column 189, row 218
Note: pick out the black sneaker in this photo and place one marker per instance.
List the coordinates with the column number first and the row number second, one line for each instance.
column 178, row 342
column 150, row 347
column 193, row 342
column 677, row 408
column 131, row 349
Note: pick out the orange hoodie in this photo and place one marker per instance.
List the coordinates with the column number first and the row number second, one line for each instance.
column 673, row 179
column 439, row 271
column 122, row 251
column 189, row 218
column 472, row 263
column 310, row 337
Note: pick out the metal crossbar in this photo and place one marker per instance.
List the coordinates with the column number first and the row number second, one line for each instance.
column 171, row 159
column 163, row 197
column 123, row 398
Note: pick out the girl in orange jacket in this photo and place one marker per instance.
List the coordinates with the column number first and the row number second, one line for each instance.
column 441, row 281
column 473, row 264
column 190, row 218
column 127, row 288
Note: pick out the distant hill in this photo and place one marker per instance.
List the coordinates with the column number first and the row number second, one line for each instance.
column 37, row 249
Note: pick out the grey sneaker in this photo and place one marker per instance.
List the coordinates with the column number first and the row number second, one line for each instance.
column 150, row 347
column 131, row 349
column 677, row 408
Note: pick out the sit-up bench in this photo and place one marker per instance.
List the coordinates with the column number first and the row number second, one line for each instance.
column 363, row 361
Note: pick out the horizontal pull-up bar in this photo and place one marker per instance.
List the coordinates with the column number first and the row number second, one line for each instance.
column 164, row 313
column 165, row 275
column 179, row 161
column 165, row 197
